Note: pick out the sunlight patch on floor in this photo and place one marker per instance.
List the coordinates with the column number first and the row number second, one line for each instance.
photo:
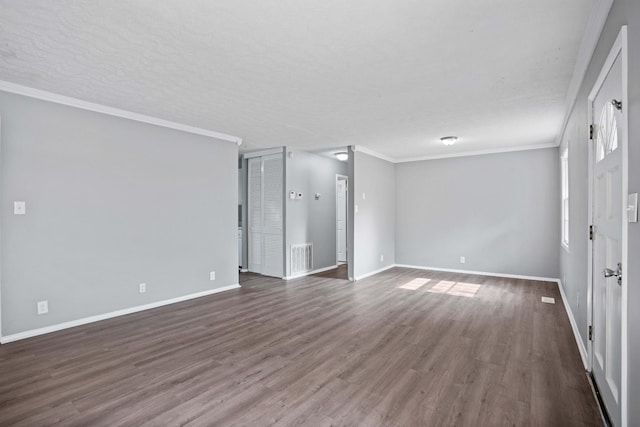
column 415, row 284
column 442, row 287
column 459, row 289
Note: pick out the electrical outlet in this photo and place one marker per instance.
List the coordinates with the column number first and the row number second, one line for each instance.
column 212, row 275
column 381, row 258
column 142, row 288
column 43, row 307
column 462, row 260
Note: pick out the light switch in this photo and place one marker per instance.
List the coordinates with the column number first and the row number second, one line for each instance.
column 633, row 207
column 19, row 208
column 356, row 208
column 364, row 196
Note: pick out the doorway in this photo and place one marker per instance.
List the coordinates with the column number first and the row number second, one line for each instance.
column 341, row 219
column 608, row 163
column 265, row 213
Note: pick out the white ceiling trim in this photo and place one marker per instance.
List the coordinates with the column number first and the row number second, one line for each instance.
column 365, row 150
column 90, row 106
column 452, row 155
column 479, row 152
column 595, row 25
column 262, row 153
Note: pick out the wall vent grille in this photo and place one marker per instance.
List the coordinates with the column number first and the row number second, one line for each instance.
column 301, row 258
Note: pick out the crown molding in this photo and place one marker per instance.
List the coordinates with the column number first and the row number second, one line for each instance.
column 111, row 111
column 478, row 152
column 365, row 150
column 595, row 25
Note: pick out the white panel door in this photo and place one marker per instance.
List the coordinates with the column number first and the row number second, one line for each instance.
column 254, row 214
column 273, row 217
column 341, row 219
column 607, row 244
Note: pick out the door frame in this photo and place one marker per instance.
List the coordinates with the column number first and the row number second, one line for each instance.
column 346, row 215
column 1, row 339
column 620, row 48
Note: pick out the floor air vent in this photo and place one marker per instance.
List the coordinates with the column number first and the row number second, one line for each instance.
column 301, row 258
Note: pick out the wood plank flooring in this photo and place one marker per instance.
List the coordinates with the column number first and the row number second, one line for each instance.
column 402, row 348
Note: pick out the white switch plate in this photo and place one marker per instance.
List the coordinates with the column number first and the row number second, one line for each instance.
column 381, row 258
column 212, row 275
column 462, row 260
column 19, row 208
column 43, row 307
column 142, row 288
column 364, row 196
column 356, row 208
column 633, row 207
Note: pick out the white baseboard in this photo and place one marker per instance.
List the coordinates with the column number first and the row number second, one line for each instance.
column 574, row 327
column 117, row 313
column 372, row 273
column 308, row 273
column 244, row 270
column 480, row 273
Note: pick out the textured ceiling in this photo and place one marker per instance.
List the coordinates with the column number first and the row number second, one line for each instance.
column 390, row 75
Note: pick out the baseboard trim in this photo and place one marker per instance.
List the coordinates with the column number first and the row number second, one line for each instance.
column 308, row 273
column 373, row 273
column 110, row 315
column 574, row 327
column 480, row 273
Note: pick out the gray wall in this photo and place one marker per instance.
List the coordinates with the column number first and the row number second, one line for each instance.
column 500, row 211
column 110, row 203
column 374, row 223
column 307, row 219
column 574, row 263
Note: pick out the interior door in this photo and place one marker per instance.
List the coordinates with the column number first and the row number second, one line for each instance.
column 341, row 219
column 607, row 243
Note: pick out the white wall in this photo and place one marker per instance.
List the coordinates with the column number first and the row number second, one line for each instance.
column 110, row 203
column 499, row 211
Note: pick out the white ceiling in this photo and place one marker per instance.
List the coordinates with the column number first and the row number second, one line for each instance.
column 390, row 75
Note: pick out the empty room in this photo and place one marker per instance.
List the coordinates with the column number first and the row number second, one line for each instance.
column 319, row 213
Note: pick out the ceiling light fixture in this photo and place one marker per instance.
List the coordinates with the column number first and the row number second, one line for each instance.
column 343, row 156
column 449, row 140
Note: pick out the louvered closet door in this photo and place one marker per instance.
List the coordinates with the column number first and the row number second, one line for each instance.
column 254, row 214
column 272, row 218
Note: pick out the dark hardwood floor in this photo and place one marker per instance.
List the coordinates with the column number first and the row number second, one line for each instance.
column 341, row 272
column 402, row 348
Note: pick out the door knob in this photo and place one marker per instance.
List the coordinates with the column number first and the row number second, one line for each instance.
column 614, row 273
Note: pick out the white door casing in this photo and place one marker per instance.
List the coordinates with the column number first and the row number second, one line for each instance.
column 608, row 180
column 341, row 218
column 265, row 214
column 254, row 214
column 273, row 218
